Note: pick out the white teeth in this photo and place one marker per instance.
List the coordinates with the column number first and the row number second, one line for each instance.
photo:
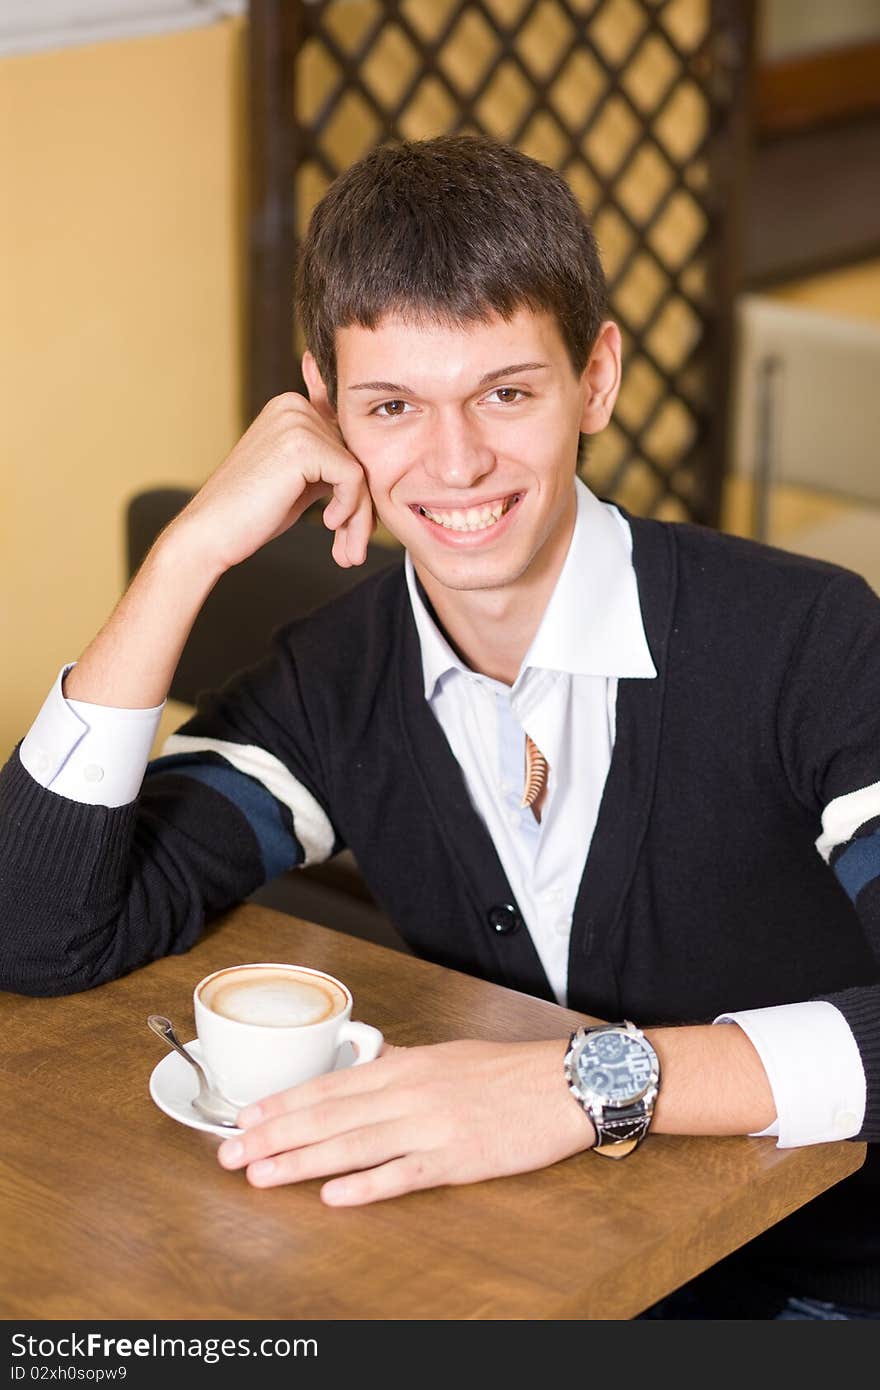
column 471, row 519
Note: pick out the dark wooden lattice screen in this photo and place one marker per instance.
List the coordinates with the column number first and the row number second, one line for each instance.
column 640, row 105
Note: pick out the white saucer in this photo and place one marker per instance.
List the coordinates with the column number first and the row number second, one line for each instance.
column 174, row 1084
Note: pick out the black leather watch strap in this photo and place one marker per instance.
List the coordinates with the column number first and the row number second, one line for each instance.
column 622, row 1131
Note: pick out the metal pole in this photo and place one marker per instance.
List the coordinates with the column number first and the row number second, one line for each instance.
column 767, row 376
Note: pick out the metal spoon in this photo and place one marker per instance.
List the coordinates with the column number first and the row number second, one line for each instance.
column 208, row 1103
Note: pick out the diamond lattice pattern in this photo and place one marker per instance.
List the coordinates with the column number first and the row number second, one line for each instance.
column 615, row 94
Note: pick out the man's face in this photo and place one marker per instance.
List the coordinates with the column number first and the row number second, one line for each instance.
column 468, row 437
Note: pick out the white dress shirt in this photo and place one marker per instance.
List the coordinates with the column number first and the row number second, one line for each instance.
column 564, row 697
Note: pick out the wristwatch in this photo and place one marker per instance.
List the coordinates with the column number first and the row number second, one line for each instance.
column 613, row 1071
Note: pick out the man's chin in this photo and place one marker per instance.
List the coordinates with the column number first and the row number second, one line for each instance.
column 466, row 576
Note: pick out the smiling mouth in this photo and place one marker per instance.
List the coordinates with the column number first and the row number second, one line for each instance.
column 471, row 518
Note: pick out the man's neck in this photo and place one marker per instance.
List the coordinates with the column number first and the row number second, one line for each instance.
column 489, row 633
column 492, row 629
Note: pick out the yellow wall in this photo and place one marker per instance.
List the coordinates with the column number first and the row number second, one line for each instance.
column 121, row 278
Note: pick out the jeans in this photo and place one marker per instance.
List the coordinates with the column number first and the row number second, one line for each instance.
column 816, row 1310
column 687, row 1304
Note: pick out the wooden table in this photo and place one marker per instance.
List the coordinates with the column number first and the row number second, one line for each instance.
column 110, row 1209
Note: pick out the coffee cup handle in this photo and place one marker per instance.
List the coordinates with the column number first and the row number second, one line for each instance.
column 367, row 1040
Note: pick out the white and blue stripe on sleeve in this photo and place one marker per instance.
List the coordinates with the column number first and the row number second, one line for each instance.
column 850, row 839
column 289, row 825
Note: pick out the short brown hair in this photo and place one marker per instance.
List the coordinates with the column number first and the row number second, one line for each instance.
column 451, row 229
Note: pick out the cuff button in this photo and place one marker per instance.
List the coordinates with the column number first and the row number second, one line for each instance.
column 93, row 773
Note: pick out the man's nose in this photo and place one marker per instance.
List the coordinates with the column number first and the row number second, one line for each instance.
column 457, row 454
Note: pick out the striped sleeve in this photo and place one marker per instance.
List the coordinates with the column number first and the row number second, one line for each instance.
column 829, row 739
column 850, row 839
column 287, row 821
column 238, row 796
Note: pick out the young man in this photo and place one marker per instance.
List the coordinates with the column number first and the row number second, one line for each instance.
column 695, row 719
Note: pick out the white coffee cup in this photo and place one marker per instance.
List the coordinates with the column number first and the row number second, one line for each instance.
column 266, row 1026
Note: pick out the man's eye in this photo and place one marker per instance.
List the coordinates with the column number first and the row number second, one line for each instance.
column 507, row 395
column 391, row 408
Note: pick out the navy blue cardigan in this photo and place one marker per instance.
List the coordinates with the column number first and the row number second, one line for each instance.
column 703, row 890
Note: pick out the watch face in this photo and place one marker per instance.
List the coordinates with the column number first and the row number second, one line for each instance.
column 615, row 1066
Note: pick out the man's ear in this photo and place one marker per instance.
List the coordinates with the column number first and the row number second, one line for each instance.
column 601, row 379
column 316, row 388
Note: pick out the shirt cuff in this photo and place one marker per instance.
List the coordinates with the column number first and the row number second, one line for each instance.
column 94, row 754
column 814, row 1068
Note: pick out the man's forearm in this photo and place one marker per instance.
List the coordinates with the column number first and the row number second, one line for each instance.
column 131, row 662
column 712, row 1082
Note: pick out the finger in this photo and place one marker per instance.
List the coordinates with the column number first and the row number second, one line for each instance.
column 409, row 1173
column 333, row 514
column 350, row 509
column 349, row 503
column 312, row 1126
column 361, row 1148
column 364, row 526
column 339, row 551
column 344, row 474
column 348, row 1081
column 353, row 533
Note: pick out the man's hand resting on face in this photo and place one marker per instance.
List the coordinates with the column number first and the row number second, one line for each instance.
column 289, row 457
column 416, row 1117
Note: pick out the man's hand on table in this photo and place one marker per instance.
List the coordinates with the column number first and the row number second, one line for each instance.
column 416, row 1117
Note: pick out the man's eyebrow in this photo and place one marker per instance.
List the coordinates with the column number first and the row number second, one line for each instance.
column 389, row 386
column 512, row 370
column 392, row 386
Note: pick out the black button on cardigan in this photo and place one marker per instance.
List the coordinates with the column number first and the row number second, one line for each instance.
column 504, row 918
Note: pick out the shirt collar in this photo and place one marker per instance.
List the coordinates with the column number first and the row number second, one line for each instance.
column 592, row 625
column 437, row 655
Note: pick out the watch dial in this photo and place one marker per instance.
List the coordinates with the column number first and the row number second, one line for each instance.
column 614, row 1065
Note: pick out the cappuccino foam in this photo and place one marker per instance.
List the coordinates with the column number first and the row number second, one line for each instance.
column 273, row 998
